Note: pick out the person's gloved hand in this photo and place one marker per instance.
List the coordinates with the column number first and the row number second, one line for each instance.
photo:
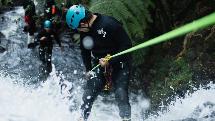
column 103, row 62
column 42, row 38
column 89, row 75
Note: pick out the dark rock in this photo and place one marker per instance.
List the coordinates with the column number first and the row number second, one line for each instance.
column 2, row 49
column 1, row 35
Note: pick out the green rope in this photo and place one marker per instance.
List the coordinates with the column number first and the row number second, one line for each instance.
column 95, row 67
column 195, row 25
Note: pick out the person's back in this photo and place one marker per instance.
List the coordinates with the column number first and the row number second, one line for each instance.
column 108, row 37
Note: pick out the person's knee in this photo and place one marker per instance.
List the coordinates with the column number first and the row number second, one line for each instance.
column 121, row 94
column 42, row 58
column 88, row 95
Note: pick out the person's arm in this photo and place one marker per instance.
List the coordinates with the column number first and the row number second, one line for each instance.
column 86, row 56
column 123, row 41
column 38, row 38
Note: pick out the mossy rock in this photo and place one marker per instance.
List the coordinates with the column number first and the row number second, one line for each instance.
column 172, row 77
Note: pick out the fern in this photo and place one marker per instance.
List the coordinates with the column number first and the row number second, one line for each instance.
column 71, row 2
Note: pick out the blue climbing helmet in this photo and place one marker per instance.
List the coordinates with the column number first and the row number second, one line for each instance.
column 47, row 24
column 74, row 16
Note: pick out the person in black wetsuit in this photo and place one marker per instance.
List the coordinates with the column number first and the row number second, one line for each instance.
column 30, row 27
column 45, row 39
column 50, row 9
column 102, row 35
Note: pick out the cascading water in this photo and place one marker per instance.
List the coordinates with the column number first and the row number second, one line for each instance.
column 198, row 106
column 24, row 98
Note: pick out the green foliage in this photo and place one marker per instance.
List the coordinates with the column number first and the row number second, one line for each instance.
column 71, row 2
column 5, row 2
column 133, row 15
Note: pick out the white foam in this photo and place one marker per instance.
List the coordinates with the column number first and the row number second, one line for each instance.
column 184, row 108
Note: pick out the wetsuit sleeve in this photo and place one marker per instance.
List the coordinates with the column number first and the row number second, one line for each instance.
column 39, row 35
column 124, row 42
column 86, row 56
column 37, row 39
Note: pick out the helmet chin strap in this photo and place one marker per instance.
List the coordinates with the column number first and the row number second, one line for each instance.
column 88, row 26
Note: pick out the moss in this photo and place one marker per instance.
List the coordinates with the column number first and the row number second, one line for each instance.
column 171, row 77
column 5, row 3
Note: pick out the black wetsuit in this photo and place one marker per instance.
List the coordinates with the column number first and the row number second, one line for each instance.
column 30, row 13
column 49, row 7
column 45, row 49
column 108, row 37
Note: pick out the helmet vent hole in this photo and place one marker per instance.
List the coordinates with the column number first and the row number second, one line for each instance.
column 72, row 16
column 77, row 12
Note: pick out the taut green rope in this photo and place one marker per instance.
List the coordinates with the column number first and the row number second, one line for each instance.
column 193, row 26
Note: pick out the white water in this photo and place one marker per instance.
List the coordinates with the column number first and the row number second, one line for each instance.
column 22, row 102
column 198, row 106
column 19, row 103
column 49, row 103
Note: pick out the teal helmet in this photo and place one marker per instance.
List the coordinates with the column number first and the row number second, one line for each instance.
column 74, row 16
column 47, row 24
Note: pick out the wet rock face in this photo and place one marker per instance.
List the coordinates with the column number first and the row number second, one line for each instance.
column 23, row 62
column 194, row 52
column 168, row 14
column 196, row 47
column 2, row 37
column 2, row 49
column 18, row 2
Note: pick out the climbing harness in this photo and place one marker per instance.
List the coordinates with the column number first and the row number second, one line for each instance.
column 107, row 58
column 108, row 78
